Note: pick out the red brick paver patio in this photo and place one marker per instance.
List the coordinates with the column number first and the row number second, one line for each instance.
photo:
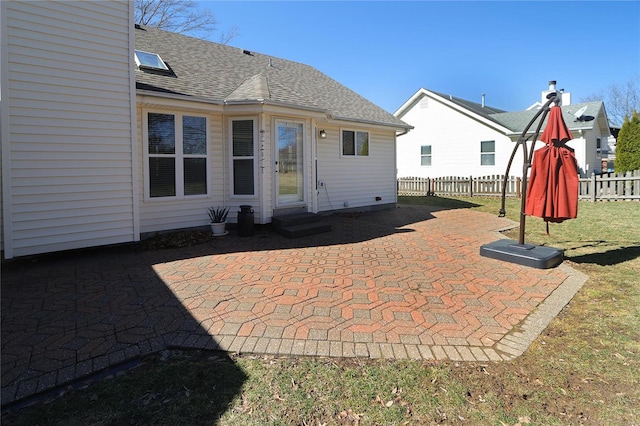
column 406, row 283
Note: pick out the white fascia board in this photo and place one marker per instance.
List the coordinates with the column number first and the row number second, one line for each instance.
column 318, row 113
column 409, row 103
column 150, row 97
column 268, row 103
column 424, row 92
column 375, row 124
column 155, row 99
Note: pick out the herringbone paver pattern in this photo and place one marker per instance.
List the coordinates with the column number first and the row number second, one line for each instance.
column 407, row 283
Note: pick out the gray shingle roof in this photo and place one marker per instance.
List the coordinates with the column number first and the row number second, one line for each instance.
column 485, row 110
column 517, row 121
column 217, row 72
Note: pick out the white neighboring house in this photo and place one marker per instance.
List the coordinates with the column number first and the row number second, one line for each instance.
column 111, row 131
column 451, row 137
column 457, row 137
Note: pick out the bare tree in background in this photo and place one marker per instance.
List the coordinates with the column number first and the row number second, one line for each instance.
column 620, row 100
column 180, row 16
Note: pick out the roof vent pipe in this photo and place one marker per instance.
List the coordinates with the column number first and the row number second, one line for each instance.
column 552, row 85
column 483, row 95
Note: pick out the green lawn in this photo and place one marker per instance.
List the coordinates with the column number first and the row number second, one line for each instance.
column 584, row 369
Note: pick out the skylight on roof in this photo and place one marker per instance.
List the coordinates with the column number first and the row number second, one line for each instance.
column 151, row 60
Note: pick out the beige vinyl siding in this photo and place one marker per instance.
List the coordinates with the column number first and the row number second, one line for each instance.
column 69, row 90
column 356, row 180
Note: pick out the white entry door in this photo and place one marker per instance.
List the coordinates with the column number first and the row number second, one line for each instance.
column 289, row 164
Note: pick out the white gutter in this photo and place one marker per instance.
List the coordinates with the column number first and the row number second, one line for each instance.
column 151, row 93
column 265, row 102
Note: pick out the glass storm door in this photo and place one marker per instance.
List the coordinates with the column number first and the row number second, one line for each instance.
column 289, row 170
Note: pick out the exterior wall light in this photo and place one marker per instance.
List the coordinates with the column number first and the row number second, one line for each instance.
column 323, row 134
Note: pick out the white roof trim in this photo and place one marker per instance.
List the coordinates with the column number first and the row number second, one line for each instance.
column 424, row 92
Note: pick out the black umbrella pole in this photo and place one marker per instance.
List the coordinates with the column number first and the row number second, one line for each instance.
column 523, row 200
column 526, row 163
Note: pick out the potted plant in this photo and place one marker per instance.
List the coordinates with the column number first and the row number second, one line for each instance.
column 218, row 218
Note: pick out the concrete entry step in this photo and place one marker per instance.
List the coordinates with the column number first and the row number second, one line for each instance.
column 299, row 225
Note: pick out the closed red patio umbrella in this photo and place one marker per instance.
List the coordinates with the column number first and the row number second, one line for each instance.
column 552, row 193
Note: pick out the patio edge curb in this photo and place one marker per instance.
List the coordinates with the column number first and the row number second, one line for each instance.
column 515, row 343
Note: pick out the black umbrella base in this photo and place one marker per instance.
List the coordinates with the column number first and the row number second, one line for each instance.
column 539, row 257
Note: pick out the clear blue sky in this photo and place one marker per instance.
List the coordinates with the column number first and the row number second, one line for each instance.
column 386, row 51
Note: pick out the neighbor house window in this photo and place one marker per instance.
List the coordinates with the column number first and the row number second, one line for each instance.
column 355, row 143
column 177, row 155
column 425, row 155
column 243, row 157
column 488, row 153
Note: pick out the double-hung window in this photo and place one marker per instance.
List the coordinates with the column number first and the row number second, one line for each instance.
column 488, row 153
column 355, row 143
column 243, row 157
column 425, row 155
column 176, row 155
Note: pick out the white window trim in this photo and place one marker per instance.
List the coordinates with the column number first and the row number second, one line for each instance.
column 232, row 193
column 486, row 153
column 355, row 155
column 179, row 156
column 140, row 64
column 276, row 121
column 424, row 155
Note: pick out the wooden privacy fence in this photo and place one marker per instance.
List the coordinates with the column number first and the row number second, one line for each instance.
column 607, row 186
column 467, row 186
column 611, row 186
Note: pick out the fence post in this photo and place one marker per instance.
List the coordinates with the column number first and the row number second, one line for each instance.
column 470, row 186
column 592, row 187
